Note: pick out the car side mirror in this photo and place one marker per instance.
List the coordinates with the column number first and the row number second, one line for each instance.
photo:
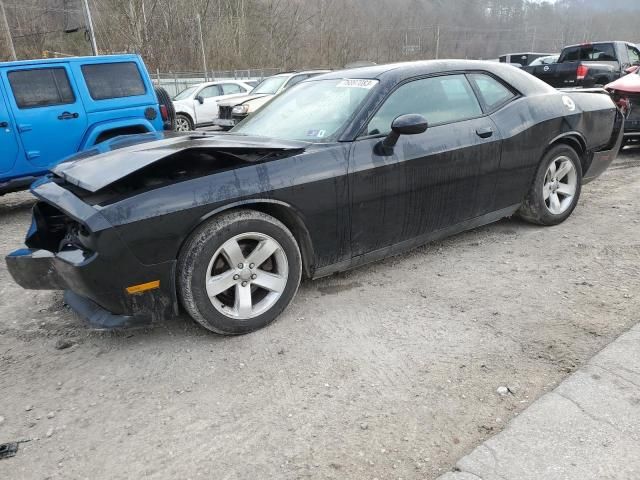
column 410, row 124
column 632, row 69
column 200, row 99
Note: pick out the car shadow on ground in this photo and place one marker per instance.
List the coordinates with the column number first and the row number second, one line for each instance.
column 182, row 327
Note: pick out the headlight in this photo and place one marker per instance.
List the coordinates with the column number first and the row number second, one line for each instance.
column 240, row 110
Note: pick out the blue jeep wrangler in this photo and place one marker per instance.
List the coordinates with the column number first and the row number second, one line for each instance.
column 50, row 109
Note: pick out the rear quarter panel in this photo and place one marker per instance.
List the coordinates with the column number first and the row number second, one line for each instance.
column 531, row 124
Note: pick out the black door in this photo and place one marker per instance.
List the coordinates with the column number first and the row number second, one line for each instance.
column 432, row 180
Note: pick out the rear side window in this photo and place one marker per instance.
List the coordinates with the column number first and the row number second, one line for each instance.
column 113, row 80
column 603, row 52
column 493, row 93
column 572, row 54
column 42, row 87
column 634, row 55
column 231, row 88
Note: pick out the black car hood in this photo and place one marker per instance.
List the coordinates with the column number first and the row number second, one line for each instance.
column 110, row 161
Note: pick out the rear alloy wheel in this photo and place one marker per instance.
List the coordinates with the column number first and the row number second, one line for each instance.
column 238, row 272
column 183, row 123
column 556, row 188
column 560, row 185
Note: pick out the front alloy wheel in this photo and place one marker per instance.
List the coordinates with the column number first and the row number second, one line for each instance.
column 238, row 271
column 247, row 275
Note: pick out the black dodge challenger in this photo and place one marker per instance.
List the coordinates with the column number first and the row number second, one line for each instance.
column 344, row 169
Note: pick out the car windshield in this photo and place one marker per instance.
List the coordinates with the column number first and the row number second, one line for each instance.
column 313, row 111
column 269, row 86
column 185, row 93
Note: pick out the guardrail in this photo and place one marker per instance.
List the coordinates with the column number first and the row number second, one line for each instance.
column 175, row 82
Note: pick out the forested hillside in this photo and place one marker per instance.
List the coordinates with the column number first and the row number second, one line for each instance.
column 299, row 33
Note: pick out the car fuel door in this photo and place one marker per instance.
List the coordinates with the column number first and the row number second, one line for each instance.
column 428, row 181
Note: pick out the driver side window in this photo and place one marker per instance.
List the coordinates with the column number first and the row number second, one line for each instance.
column 444, row 99
column 210, row 91
column 634, row 56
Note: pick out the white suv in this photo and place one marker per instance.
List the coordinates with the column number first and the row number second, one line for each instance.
column 197, row 106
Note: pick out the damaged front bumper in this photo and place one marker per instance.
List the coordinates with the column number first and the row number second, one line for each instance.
column 601, row 160
column 107, row 285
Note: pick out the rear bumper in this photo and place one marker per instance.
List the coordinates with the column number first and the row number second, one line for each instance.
column 601, row 160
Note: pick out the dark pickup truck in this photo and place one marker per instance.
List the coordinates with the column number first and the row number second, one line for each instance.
column 588, row 65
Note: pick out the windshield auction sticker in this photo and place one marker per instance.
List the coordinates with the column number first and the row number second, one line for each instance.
column 357, row 83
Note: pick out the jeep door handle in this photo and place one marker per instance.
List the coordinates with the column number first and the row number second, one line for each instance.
column 68, row 116
column 4, row 124
column 484, row 132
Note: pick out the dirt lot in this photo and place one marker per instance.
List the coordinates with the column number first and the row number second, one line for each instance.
column 387, row 372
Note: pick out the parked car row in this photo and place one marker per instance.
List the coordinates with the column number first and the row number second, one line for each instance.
column 588, row 65
column 610, row 65
column 197, row 106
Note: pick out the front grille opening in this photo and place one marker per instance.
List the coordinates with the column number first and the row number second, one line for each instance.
column 53, row 230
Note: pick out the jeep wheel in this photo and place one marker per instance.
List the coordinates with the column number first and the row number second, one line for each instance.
column 167, row 108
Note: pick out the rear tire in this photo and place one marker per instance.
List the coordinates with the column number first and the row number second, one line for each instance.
column 237, row 272
column 556, row 188
column 165, row 100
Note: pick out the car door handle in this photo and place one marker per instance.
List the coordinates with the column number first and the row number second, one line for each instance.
column 484, row 132
column 68, row 116
column 4, row 124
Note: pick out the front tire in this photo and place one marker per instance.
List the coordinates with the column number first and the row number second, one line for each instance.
column 556, row 188
column 183, row 123
column 238, row 272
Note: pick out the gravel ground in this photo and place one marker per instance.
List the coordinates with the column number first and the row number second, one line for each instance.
column 389, row 371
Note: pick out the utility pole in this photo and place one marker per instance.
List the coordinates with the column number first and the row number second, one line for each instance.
column 437, row 42
column 6, row 27
column 204, row 56
column 92, row 33
column 533, row 40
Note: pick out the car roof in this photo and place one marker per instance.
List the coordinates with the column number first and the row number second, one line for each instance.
column 218, row 82
column 396, row 72
column 587, row 44
column 96, row 59
column 303, row 72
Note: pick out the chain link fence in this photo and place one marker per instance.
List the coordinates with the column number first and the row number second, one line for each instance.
column 175, row 82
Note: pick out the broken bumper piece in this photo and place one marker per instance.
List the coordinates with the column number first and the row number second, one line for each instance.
column 99, row 318
column 101, row 296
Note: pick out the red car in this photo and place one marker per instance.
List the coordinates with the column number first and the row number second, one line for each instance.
column 626, row 93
